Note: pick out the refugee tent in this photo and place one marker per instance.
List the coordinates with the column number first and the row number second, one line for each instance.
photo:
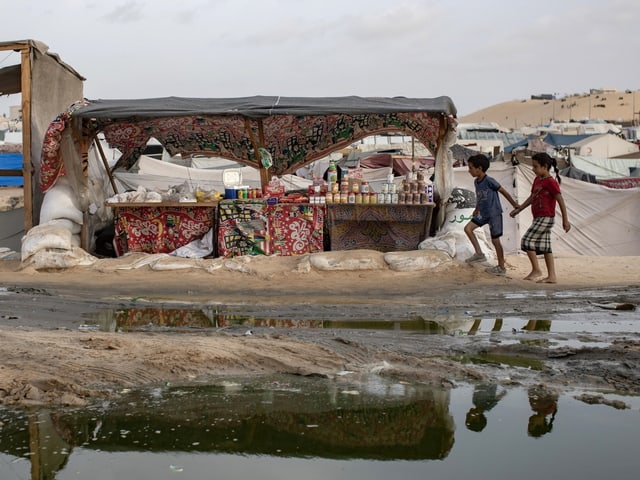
column 605, row 145
column 557, row 140
column 399, row 164
column 603, row 168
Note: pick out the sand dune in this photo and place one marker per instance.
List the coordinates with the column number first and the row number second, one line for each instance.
column 614, row 106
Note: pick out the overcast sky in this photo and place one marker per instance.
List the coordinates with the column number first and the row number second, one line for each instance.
column 477, row 52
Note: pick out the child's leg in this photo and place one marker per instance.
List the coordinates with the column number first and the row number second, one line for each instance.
column 468, row 229
column 535, row 268
column 497, row 245
column 551, row 269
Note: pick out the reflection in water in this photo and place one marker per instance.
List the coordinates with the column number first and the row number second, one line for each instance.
column 348, row 427
column 485, row 397
column 369, row 419
column 544, row 404
column 136, row 319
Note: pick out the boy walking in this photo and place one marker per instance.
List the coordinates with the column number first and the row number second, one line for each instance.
column 488, row 211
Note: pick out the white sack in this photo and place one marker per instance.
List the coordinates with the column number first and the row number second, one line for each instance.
column 348, row 260
column 416, row 260
column 53, row 258
column 198, row 248
column 60, row 202
column 46, row 236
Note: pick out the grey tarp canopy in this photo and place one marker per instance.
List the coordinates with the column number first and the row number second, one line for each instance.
column 292, row 130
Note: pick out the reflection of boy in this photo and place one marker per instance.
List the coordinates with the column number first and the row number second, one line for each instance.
column 544, row 403
column 485, row 397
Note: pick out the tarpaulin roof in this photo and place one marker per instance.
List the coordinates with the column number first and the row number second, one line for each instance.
column 289, row 132
column 261, row 106
column 559, row 140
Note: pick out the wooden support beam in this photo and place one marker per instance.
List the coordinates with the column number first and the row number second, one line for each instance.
column 98, row 145
column 27, row 164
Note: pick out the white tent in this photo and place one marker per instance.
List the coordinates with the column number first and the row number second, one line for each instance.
column 606, row 168
column 605, row 145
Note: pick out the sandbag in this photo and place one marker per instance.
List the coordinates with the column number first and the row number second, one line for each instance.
column 46, row 236
column 55, row 258
column 348, row 260
column 416, row 260
column 60, row 202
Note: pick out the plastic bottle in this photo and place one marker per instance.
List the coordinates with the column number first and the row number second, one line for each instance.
column 332, row 174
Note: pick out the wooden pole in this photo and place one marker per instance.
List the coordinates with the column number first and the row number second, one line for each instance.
column 98, row 145
column 27, row 164
column 264, row 172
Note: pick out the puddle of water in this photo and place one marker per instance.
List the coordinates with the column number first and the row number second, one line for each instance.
column 508, row 328
column 352, row 427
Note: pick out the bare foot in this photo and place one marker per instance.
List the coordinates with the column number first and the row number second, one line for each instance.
column 533, row 275
column 547, row 280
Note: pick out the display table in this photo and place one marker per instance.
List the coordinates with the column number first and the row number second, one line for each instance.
column 160, row 227
column 247, row 227
column 381, row 227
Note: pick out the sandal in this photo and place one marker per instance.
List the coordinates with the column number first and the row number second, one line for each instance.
column 476, row 257
column 497, row 270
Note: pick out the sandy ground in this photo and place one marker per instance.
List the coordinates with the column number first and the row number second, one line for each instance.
column 49, row 358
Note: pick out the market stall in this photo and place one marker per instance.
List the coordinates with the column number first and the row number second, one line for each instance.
column 276, row 135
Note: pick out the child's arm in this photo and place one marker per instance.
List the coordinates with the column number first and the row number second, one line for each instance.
column 522, row 206
column 508, row 196
column 563, row 210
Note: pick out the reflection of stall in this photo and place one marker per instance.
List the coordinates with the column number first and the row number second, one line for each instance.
column 278, row 135
column 160, row 227
column 253, row 227
column 378, row 227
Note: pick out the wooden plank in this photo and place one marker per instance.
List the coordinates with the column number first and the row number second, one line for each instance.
column 27, row 164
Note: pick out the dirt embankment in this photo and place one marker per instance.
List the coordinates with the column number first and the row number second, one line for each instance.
column 49, row 359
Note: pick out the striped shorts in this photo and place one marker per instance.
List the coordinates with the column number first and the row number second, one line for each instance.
column 538, row 236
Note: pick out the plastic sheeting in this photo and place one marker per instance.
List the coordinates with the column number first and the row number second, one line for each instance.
column 604, row 221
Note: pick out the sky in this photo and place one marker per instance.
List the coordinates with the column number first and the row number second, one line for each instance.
column 478, row 52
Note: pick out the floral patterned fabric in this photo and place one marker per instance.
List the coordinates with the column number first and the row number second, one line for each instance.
column 295, row 228
column 291, row 140
column 253, row 228
column 384, row 228
column 160, row 229
column 51, row 164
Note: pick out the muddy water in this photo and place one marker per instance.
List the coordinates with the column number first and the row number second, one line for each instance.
column 593, row 326
column 352, row 427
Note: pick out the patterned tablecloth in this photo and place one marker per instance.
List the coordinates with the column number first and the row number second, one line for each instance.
column 253, row 227
column 160, row 228
column 380, row 227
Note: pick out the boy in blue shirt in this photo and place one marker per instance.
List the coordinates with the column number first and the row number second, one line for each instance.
column 488, row 211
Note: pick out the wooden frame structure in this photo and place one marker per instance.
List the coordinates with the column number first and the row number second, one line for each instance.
column 47, row 86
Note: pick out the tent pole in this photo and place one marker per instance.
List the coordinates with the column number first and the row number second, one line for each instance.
column 106, row 164
column 264, row 172
column 27, row 161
